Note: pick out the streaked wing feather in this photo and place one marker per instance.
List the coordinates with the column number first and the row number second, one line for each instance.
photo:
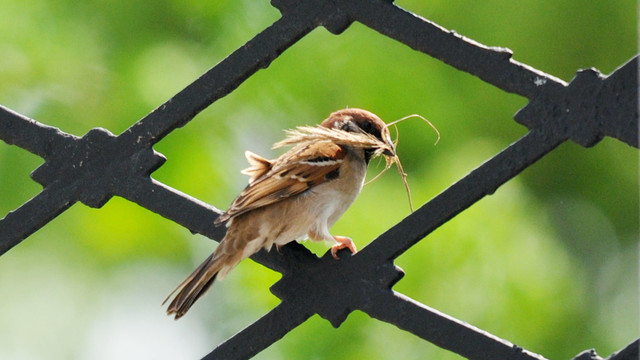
column 294, row 172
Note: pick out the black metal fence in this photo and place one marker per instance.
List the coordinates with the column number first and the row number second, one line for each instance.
column 93, row 168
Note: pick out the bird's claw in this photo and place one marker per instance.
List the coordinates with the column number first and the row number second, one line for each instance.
column 343, row 243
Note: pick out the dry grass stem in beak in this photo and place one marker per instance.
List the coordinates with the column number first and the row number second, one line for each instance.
column 419, row 117
column 307, row 134
column 403, row 174
column 395, row 159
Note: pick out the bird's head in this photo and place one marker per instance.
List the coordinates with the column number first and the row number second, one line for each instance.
column 363, row 121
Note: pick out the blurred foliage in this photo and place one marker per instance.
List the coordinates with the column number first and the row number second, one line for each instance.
column 549, row 262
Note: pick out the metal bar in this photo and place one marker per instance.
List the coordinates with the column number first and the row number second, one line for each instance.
column 256, row 337
column 185, row 210
column 491, row 64
column 441, row 329
column 37, row 138
column 17, row 225
column 630, row 352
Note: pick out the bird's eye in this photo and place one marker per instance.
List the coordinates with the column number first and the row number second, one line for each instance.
column 367, row 126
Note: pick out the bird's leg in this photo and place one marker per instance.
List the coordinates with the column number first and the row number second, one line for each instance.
column 343, row 243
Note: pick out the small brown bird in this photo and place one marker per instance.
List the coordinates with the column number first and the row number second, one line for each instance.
column 300, row 194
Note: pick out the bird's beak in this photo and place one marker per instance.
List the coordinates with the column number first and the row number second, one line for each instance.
column 391, row 151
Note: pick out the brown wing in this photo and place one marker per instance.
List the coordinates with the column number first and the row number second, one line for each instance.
column 292, row 173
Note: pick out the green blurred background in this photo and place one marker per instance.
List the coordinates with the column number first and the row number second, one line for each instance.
column 549, row 262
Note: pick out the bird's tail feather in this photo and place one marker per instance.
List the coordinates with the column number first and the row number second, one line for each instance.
column 194, row 286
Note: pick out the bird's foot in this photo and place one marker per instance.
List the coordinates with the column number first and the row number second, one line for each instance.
column 343, row 243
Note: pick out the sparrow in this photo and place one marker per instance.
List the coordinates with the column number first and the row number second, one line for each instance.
column 301, row 194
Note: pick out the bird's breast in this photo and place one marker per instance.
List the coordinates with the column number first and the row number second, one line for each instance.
column 334, row 197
